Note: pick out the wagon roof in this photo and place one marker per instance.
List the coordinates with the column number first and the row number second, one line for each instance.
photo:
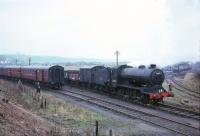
column 66, row 68
column 30, row 67
column 116, row 67
column 10, row 66
column 95, row 67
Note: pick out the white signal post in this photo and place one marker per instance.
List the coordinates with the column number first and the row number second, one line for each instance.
column 117, row 56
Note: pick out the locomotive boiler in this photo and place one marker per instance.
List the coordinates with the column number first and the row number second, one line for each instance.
column 143, row 76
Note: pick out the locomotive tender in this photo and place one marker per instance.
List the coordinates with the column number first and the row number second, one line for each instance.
column 52, row 76
column 140, row 83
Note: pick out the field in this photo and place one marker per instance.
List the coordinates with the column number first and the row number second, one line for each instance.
column 59, row 114
column 45, row 114
column 181, row 99
column 192, row 81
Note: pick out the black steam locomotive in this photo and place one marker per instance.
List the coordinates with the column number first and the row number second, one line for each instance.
column 128, row 82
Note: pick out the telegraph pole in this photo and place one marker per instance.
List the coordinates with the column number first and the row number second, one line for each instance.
column 29, row 61
column 117, row 56
column 16, row 62
column 199, row 50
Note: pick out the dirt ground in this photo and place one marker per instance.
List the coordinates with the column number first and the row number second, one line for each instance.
column 17, row 121
column 21, row 113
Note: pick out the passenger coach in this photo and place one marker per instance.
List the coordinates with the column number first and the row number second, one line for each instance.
column 52, row 76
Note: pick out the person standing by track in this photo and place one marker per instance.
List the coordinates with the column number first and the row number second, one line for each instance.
column 38, row 88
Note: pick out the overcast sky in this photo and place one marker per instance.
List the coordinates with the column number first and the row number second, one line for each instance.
column 149, row 31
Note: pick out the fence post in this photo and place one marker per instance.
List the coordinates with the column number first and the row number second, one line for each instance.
column 45, row 103
column 55, row 108
column 97, row 128
column 42, row 106
column 110, row 132
column 38, row 98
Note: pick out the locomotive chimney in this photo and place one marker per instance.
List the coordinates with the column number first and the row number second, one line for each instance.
column 141, row 66
column 152, row 66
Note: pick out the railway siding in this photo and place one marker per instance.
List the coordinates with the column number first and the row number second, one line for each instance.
column 147, row 108
column 180, row 87
column 176, row 123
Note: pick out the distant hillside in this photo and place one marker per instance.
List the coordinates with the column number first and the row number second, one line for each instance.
column 34, row 59
column 24, row 60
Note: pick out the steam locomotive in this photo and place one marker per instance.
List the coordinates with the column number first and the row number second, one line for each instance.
column 125, row 81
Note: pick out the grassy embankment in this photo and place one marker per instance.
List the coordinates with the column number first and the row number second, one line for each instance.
column 181, row 99
column 66, row 116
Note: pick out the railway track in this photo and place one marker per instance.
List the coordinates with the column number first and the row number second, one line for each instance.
column 181, row 88
column 179, row 111
column 170, row 109
column 163, row 122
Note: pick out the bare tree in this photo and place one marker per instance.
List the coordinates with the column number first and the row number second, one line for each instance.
column 2, row 59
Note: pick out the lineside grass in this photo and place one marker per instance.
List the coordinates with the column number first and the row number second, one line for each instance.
column 181, row 99
column 67, row 117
